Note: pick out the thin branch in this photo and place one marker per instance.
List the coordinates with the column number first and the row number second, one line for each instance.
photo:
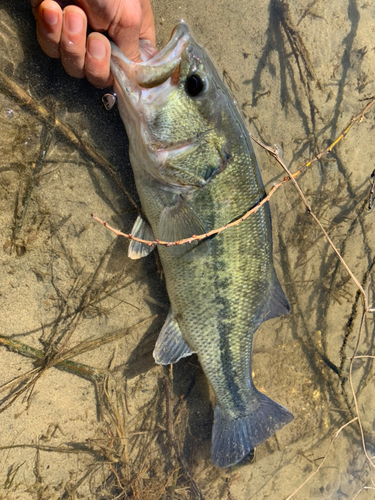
column 291, row 177
column 194, row 236
column 334, row 436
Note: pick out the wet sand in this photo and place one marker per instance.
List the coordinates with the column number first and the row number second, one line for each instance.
column 97, row 428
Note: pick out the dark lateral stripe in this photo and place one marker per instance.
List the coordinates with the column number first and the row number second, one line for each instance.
column 225, row 327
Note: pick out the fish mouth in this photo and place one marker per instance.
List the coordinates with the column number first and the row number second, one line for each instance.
column 156, row 67
column 142, row 89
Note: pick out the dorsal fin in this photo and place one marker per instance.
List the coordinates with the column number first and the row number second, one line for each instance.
column 278, row 304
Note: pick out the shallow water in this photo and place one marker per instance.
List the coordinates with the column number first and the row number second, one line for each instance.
column 299, row 75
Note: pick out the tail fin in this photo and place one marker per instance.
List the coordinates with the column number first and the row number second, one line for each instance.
column 234, row 438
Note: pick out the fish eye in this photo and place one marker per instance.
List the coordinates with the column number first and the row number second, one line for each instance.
column 194, row 85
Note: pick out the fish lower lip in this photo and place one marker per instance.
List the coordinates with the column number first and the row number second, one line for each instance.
column 159, row 68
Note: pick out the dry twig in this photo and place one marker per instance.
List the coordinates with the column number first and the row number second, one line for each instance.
column 290, row 177
column 334, row 436
column 357, row 119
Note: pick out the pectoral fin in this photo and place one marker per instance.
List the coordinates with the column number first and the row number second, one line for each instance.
column 143, row 231
column 178, row 222
column 170, row 346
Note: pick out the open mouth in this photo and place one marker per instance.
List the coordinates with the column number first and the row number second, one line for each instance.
column 156, row 69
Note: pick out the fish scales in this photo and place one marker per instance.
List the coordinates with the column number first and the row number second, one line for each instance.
column 195, row 170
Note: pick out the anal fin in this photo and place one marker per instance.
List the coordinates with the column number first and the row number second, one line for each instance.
column 170, row 346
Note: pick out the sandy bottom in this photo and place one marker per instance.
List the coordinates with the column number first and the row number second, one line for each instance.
column 85, row 412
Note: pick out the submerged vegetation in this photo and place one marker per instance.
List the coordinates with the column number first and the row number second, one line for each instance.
column 85, row 412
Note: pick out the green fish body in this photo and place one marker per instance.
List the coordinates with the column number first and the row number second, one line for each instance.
column 195, row 170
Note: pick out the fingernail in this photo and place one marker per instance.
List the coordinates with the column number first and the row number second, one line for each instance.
column 73, row 22
column 96, row 48
column 50, row 17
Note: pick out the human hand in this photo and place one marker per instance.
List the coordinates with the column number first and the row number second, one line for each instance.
column 63, row 33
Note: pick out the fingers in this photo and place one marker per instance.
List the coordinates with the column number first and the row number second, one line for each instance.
column 62, row 33
column 48, row 27
column 97, row 63
column 148, row 25
column 73, row 41
column 131, row 21
column 125, row 28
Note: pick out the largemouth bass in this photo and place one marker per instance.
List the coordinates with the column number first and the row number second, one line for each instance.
column 195, row 170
